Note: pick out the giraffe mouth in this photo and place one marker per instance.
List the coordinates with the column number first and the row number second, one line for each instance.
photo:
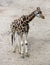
column 42, row 16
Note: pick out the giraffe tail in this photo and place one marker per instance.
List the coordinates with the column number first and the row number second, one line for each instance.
column 12, row 38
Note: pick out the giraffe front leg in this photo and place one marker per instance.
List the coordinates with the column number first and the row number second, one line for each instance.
column 26, row 48
column 22, row 47
column 26, row 45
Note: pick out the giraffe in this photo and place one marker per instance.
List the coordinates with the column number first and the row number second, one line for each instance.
column 21, row 27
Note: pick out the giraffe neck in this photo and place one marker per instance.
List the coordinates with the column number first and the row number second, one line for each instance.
column 31, row 17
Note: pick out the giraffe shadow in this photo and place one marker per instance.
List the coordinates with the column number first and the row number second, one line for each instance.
column 36, row 44
column 31, row 42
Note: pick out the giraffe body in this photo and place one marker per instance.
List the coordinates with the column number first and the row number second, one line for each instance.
column 21, row 26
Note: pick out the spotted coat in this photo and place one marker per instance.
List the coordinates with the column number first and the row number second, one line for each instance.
column 20, row 25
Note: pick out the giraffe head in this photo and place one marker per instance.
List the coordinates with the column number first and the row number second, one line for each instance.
column 38, row 13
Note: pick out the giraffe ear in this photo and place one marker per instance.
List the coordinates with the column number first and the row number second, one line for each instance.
column 38, row 8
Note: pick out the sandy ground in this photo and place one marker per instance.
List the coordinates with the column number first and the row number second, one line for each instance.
column 38, row 37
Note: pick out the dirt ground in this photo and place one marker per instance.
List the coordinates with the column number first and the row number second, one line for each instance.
column 38, row 37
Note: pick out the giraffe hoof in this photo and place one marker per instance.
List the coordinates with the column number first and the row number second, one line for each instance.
column 14, row 51
column 27, row 55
